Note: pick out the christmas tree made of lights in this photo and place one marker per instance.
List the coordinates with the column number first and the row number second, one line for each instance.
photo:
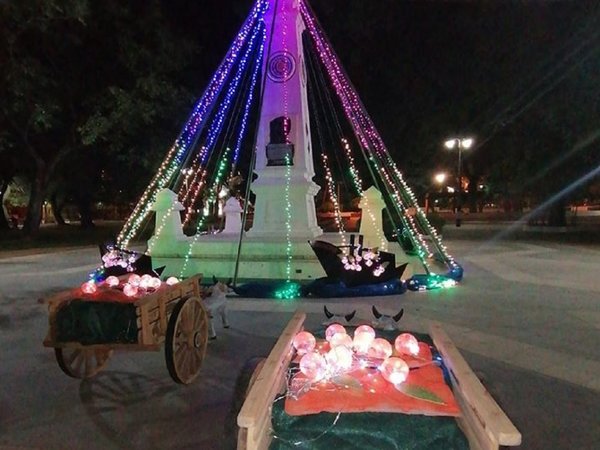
column 247, row 154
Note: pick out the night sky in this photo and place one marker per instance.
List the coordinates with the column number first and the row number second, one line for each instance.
column 426, row 70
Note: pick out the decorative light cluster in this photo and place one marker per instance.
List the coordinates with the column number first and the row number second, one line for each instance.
column 342, row 354
column 116, row 257
column 135, row 285
column 289, row 291
column 430, row 281
column 370, row 140
column 193, row 126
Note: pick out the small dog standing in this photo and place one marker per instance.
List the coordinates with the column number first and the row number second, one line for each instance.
column 216, row 303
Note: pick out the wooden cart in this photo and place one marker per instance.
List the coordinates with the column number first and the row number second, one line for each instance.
column 174, row 315
column 483, row 422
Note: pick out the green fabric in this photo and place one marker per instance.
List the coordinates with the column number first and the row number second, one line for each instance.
column 96, row 323
column 381, row 431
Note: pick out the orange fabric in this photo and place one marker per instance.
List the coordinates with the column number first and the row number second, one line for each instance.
column 375, row 394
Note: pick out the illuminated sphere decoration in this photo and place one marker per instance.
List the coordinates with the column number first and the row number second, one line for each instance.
column 313, row 366
column 332, row 329
column 304, row 342
column 407, row 344
column 112, row 281
column 134, row 279
column 89, row 287
column 365, row 329
column 172, row 280
column 155, row 283
column 340, row 339
column 394, row 370
column 130, row 290
column 363, row 338
column 380, row 349
column 146, row 281
column 339, row 359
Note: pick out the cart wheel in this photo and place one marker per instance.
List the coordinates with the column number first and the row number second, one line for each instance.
column 234, row 436
column 186, row 340
column 82, row 362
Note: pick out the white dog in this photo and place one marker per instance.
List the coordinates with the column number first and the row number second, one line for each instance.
column 216, row 303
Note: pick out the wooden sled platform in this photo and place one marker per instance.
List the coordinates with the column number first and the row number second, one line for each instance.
column 483, row 422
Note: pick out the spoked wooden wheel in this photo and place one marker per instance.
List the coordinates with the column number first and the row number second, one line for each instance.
column 82, row 362
column 186, row 340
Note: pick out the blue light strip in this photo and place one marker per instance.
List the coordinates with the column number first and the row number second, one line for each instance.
column 242, row 132
column 217, row 124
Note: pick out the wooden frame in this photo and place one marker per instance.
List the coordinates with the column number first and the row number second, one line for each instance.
column 484, row 423
column 152, row 311
column 158, row 316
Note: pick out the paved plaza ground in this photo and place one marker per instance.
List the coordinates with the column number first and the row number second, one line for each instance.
column 526, row 317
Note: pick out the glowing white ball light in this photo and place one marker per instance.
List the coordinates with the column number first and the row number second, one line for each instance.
column 130, row 290
column 146, row 281
column 172, row 280
column 112, row 281
column 394, row 370
column 134, row 279
column 365, row 329
column 313, row 366
column 363, row 338
column 304, row 342
column 332, row 329
column 339, row 359
column 89, row 287
column 407, row 344
column 340, row 339
column 155, row 283
column 380, row 349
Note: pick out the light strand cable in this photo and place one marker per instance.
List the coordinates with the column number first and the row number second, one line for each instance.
column 253, row 157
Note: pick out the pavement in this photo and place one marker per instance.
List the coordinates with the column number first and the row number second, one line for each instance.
column 526, row 318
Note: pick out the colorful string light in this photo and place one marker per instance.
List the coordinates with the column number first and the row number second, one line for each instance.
column 370, row 139
column 192, row 127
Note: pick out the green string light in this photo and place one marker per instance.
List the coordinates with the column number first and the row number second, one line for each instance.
column 222, row 169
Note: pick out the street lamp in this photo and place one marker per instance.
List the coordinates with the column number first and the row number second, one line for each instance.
column 439, row 178
column 460, row 143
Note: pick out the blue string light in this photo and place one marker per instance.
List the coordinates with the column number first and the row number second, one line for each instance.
column 180, row 148
column 219, row 120
column 257, row 67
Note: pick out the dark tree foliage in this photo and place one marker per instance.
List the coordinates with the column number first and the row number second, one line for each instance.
column 90, row 91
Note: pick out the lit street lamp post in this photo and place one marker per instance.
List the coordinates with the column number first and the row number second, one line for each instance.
column 460, row 143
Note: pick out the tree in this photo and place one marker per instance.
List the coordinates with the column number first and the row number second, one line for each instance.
column 84, row 82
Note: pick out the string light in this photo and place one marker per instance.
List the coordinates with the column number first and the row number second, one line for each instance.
column 212, row 196
column 336, row 206
column 181, row 146
column 288, row 220
column 223, row 110
column 370, row 139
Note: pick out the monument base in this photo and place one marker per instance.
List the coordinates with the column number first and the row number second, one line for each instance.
column 262, row 258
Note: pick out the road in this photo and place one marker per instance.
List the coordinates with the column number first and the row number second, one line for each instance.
column 526, row 318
